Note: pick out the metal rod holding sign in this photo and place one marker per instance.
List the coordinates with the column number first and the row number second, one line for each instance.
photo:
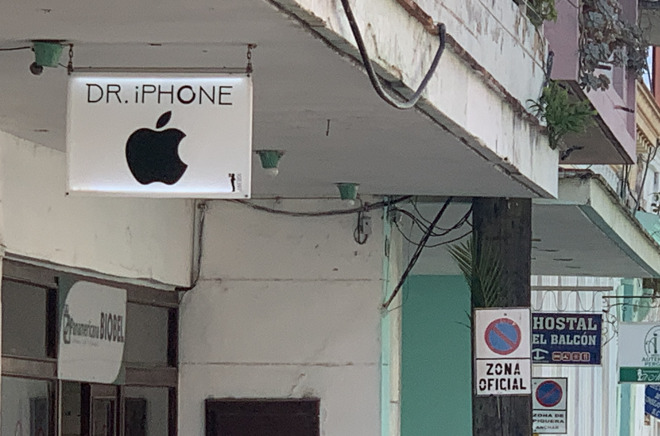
column 160, row 70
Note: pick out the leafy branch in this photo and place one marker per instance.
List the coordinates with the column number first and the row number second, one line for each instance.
column 539, row 11
column 561, row 114
column 482, row 269
column 607, row 41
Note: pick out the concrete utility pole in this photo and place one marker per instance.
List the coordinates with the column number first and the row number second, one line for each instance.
column 506, row 226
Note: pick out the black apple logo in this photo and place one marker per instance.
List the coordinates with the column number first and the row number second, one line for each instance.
column 153, row 156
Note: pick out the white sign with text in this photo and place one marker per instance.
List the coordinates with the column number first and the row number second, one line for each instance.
column 502, row 351
column 179, row 135
column 92, row 332
column 549, row 405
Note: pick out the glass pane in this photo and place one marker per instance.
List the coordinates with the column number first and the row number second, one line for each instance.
column 23, row 319
column 146, row 411
column 146, row 335
column 103, row 417
column 26, row 406
column 71, row 408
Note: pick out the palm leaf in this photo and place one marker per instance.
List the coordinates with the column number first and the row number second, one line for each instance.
column 482, row 269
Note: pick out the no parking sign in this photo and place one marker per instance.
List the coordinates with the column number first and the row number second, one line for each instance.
column 502, row 351
column 549, row 405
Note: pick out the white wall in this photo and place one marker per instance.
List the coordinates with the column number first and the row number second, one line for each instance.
column 287, row 307
column 133, row 238
column 465, row 94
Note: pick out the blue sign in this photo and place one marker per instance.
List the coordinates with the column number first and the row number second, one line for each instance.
column 566, row 338
column 652, row 400
column 549, row 393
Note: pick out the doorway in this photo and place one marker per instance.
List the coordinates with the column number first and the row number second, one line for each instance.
column 100, row 407
column 109, row 410
column 263, row 417
column 89, row 409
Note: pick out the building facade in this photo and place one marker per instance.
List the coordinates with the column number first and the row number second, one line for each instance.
column 282, row 308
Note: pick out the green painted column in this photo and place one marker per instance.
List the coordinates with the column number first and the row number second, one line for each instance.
column 624, row 388
column 436, row 381
column 385, row 335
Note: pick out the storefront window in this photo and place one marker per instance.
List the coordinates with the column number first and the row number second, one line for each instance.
column 146, row 335
column 71, row 409
column 146, row 411
column 26, row 406
column 24, row 319
column 145, row 402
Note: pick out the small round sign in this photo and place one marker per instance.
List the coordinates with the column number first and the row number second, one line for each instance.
column 549, row 393
column 503, row 336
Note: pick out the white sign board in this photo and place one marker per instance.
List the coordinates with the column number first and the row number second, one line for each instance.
column 176, row 135
column 639, row 353
column 502, row 351
column 92, row 327
column 549, row 405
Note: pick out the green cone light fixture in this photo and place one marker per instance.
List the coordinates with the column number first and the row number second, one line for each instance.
column 270, row 160
column 46, row 54
column 348, row 192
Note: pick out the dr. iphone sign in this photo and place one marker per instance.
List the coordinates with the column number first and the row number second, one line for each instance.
column 502, row 351
column 175, row 135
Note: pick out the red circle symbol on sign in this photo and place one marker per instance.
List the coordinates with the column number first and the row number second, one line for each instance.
column 503, row 336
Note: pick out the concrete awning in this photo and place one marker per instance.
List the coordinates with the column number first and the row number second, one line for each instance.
column 588, row 232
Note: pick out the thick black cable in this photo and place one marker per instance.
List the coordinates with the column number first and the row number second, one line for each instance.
column 373, row 77
column 427, row 221
column 422, row 223
column 15, row 48
column 197, row 262
column 418, row 252
column 366, row 208
column 449, row 241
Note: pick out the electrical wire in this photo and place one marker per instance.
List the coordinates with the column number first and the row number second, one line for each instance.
column 450, row 241
column 359, row 235
column 421, row 224
column 421, row 216
column 373, row 77
column 203, row 207
column 416, row 243
column 27, row 47
column 416, row 255
column 414, row 203
column 362, row 208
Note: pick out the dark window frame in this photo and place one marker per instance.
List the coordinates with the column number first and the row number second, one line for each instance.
column 53, row 395
column 46, row 368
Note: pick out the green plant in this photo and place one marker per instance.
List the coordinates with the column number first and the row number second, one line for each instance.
column 539, row 11
column 561, row 114
column 607, row 41
column 483, row 272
